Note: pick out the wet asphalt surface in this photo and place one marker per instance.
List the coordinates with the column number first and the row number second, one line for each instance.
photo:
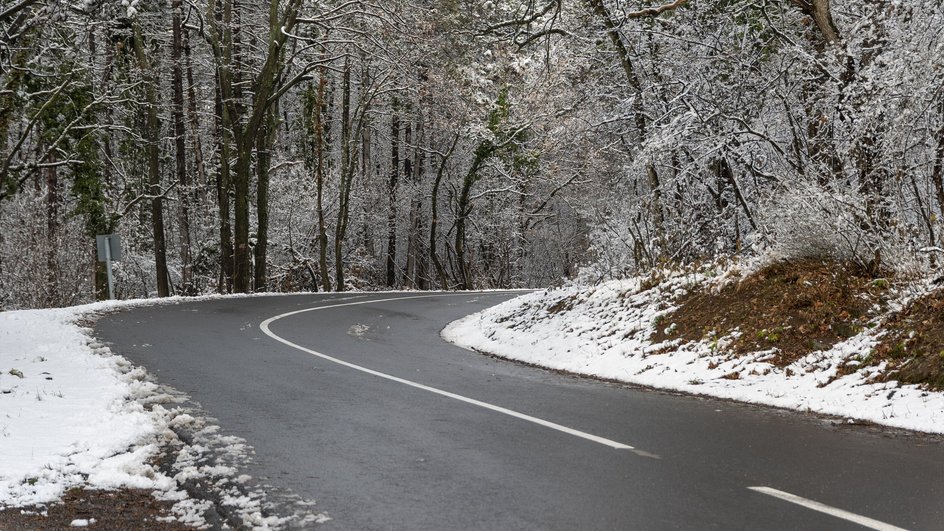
column 378, row 454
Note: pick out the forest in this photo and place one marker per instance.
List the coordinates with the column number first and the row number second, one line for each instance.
column 331, row 145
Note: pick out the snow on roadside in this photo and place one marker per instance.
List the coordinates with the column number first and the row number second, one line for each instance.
column 73, row 414
column 604, row 332
column 64, row 411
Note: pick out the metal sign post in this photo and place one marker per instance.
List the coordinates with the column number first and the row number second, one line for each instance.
column 109, row 250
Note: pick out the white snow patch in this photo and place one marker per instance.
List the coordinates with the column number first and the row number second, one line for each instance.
column 69, row 417
column 72, row 414
column 358, row 330
column 605, row 332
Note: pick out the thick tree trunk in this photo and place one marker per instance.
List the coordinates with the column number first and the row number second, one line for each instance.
column 265, row 142
column 246, row 120
column 434, row 218
column 106, row 226
column 180, row 146
column 656, row 211
column 821, row 14
column 409, row 269
column 346, row 174
column 318, row 115
column 200, row 195
column 242, row 271
column 153, row 133
column 223, row 188
column 157, row 204
column 417, row 274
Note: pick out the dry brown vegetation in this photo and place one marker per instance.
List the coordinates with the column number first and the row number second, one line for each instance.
column 794, row 307
column 125, row 509
column 913, row 345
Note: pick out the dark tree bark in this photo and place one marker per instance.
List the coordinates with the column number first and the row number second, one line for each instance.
column 223, row 190
column 318, row 117
column 344, row 187
column 152, row 136
column 246, row 120
column 464, row 208
column 199, row 197
column 434, row 217
column 265, row 142
column 937, row 173
column 52, row 235
column 417, row 266
column 821, row 13
column 392, row 183
column 180, row 146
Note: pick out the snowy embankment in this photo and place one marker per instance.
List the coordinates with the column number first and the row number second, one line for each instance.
column 73, row 414
column 67, row 412
column 605, row 332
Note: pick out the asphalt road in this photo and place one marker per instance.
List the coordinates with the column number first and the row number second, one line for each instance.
column 430, row 440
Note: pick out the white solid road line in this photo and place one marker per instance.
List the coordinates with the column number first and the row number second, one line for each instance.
column 498, row 409
column 823, row 508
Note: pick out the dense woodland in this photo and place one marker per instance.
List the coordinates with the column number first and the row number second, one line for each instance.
column 326, row 145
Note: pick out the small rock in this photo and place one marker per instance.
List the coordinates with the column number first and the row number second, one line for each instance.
column 17, row 373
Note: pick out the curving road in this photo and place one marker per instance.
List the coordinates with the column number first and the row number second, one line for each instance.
column 355, row 401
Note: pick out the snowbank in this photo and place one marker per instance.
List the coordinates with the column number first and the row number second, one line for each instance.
column 66, row 411
column 73, row 414
column 605, row 332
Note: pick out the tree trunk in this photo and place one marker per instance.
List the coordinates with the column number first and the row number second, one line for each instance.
column 346, row 174
column 52, row 236
column 180, row 146
column 242, row 271
column 821, row 13
column 464, row 208
column 152, row 134
column 246, row 121
column 223, row 188
column 200, row 197
column 99, row 270
column 937, row 173
column 392, row 195
column 417, row 266
column 318, row 113
column 265, row 141
column 728, row 175
column 434, row 218
column 409, row 269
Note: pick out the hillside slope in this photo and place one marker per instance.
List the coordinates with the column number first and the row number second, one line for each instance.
column 809, row 337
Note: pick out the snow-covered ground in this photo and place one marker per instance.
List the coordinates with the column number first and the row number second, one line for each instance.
column 604, row 332
column 73, row 414
column 66, row 411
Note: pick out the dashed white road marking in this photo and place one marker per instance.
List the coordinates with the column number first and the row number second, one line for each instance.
column 491, row 407
column 864, row 521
